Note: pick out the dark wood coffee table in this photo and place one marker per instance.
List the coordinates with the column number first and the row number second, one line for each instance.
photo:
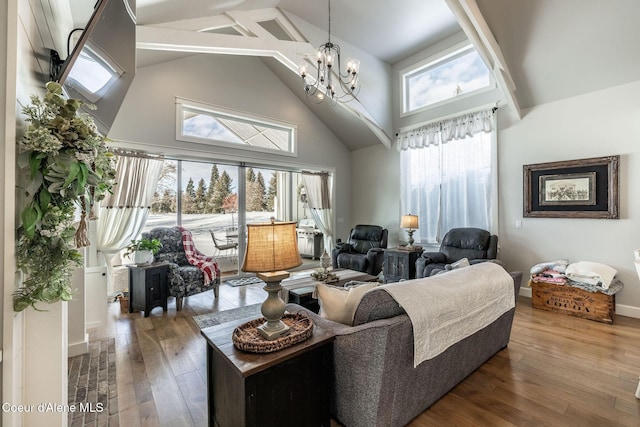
column 300, row 290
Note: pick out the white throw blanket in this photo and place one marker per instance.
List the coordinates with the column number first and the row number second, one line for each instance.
column 449, row 307
column 592, row 273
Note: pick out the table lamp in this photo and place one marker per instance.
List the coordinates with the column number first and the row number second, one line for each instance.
column 410, row 222
column 271, row 248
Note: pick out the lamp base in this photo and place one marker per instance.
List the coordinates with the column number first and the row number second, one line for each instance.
column 273, row 332
column 273, row 307
column 410, row 241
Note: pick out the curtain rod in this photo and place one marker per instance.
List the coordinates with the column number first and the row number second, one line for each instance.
column 134, row 153
column 493, row 105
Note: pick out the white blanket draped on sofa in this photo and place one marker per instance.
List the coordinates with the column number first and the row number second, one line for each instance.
column 449, row 307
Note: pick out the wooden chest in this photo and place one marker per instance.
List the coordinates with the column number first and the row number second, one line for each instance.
column 573, row 301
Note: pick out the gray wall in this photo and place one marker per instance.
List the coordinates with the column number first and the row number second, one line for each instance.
column 601, row 123
column 147, row 119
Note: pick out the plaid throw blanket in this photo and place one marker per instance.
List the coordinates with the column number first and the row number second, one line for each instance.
column 206, row 264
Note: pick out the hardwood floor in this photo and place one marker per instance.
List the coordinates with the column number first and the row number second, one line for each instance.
column 557, row 371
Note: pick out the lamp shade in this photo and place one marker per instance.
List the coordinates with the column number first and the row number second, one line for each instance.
column 409, row 221
column 271, row 246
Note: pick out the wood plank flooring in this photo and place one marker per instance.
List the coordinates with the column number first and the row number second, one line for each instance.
column 557, row 371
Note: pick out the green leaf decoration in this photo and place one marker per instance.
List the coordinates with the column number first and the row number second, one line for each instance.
column 30, row 217
column 59, row 151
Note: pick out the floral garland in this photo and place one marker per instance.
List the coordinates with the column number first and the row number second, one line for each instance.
column 69, row 167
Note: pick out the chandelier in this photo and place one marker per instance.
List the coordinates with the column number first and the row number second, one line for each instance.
column 329, row 81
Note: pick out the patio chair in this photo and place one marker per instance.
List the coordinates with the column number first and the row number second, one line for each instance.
column 221, row 246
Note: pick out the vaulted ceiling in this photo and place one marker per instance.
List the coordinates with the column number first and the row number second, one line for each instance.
column 541, row 50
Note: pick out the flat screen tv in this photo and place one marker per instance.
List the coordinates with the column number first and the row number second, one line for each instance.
column 102, row 64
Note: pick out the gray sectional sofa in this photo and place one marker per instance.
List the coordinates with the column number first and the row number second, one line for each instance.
column 375, row 382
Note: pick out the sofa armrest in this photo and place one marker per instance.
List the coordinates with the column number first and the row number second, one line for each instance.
column 339, row 248
column 430, row 257
column 375, row 257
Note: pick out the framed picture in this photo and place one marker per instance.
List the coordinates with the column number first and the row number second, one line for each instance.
column 585, row 188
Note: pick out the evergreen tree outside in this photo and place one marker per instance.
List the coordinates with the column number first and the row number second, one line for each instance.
column 254, row 197
column 215, row 175
column 262, row 190
column 251, row 175
column 272, row 191
column 200, row 197
column 189, row 198
column 221, row 191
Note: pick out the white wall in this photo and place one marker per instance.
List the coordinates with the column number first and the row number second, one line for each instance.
column 147, row 119
column 598, row 124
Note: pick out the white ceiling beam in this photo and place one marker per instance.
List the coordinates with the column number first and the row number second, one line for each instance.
column 289, row 53
column 190, row 36
column 477, row 30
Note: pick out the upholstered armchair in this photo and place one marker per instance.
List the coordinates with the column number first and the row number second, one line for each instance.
column 475, row 244
column 184, row 279
column 363, row 250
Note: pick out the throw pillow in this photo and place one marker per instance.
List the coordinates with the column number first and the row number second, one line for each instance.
column 339, row 304
column 464, row 262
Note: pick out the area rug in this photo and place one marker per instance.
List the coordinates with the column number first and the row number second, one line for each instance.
column 92, row 385
column 243, row 281
column 211, row 319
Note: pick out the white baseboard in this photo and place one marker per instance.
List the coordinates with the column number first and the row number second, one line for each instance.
column 79, row 347
column 628, row 310
column 622, row 310
column 525, row 291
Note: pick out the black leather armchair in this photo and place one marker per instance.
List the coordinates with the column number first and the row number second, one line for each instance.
column 363, row 251
column 475, row 244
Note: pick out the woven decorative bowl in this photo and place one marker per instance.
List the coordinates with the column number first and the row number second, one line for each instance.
column 247, row 338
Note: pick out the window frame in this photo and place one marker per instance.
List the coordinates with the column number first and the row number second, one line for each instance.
column 443, row 57
column 215, row 111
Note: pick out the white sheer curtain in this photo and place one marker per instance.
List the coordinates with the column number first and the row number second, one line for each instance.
column 447, row 174
column 124, row 212
column 319, row 200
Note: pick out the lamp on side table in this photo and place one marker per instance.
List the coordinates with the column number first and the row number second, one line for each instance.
column 271, row 248
column 410, row 222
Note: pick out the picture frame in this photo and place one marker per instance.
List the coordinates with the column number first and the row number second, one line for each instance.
column 584, row 188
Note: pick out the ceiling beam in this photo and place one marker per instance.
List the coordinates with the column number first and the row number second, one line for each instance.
column 254, row 40
column 474, row 25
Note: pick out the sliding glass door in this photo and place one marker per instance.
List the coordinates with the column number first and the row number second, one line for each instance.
column 215, row 201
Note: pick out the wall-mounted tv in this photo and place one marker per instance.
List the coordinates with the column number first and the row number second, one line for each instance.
column 102, row 64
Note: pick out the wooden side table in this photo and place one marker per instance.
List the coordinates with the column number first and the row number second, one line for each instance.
column 289, row 387
column 148, row 287
column 400, row 264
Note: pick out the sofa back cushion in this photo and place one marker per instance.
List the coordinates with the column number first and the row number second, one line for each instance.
column 339, row 303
